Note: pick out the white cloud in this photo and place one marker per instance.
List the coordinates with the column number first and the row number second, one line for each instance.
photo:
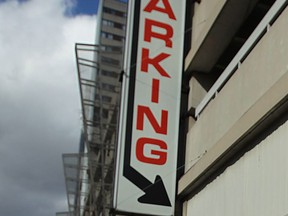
column 40, row 102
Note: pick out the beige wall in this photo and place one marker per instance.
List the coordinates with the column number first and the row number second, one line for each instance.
column 254, row 89
column 247, row 188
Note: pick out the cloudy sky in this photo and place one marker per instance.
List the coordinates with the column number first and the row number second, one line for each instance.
column 40, row 114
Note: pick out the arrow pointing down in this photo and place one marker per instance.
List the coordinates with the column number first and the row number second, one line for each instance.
column 156, row 194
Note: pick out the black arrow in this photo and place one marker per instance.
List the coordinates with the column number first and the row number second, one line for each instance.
column 155, row 193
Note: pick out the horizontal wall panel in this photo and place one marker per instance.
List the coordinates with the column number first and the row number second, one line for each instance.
column 257, row 184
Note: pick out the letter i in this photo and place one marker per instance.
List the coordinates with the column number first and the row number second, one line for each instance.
column 155, row 91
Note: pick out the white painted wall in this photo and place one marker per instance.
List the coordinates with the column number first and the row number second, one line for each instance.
column 256, row 185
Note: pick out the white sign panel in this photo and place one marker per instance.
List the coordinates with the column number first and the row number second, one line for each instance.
column 149, row 121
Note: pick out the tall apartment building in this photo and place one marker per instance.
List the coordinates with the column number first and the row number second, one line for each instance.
column 89, row 175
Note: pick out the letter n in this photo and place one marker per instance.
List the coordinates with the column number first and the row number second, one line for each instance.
column 158, row 128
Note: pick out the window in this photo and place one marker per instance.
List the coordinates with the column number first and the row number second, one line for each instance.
column 108, row 60
column 97, row 110
column 107, row 23
column 109, row 73
column 112, row 36
column 106, row 99
column 112, row 48
column 97, row 114
column 113, row 24
column 118, row 38
column 114, row 12
column 105, row 113
column 107, row 35
column 108, row 87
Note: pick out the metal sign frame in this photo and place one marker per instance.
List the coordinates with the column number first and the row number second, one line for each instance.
column 150, row 108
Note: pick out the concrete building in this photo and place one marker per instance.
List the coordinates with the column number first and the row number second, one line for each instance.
column 236, row 81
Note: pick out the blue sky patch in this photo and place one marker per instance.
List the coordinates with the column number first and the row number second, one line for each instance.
column 82, row 7
column 88, row 7
column 2, row 1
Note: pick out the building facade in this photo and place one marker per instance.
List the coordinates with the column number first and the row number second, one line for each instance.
column 236, row 71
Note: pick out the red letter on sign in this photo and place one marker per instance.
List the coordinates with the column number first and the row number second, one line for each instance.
column 142, row 110
column 153, row 61
column 155, row 90
column 162, row 156
column 167, row 8
column 149, row 33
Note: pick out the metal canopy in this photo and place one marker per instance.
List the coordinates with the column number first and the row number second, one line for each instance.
column 89, row 177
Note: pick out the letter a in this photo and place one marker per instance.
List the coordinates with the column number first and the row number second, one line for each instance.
column 152, row 5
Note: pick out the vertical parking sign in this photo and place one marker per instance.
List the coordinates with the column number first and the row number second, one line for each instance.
column 149, row 122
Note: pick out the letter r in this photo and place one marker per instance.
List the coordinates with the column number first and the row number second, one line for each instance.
column 149, row 33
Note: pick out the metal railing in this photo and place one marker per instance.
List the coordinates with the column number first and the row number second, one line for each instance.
column 100, row 125
column 251, row 42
